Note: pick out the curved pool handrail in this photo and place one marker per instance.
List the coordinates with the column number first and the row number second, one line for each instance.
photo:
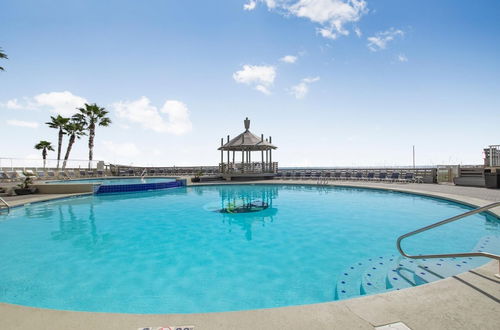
column 440, row 223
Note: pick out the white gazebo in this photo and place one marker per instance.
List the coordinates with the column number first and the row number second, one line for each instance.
column 247, row 143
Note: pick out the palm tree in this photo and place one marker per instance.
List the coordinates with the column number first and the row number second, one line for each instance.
column 75, row 129
column 44, row 146
column 92, row 115
column 58, row 122
column 2, row 55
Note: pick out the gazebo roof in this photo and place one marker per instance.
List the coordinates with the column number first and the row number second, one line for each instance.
column 247, row 141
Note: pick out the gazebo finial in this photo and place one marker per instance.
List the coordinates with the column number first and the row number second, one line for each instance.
column 247, row 123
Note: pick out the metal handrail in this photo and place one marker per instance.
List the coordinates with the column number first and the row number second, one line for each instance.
column 6, row 204
column 440, row 223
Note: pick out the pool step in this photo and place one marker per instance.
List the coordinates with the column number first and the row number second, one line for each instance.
column 349, row 282
column 488, row 244
column 387, row 273
column 407, row 273
column 375, row 275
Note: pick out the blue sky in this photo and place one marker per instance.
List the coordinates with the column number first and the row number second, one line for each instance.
column 335, row 82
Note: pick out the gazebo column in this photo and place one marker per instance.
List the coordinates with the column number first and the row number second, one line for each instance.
column 271, row 155
column 262, row 154
column 228, row 155
column 242, row 161
column 267, row 160
column 222, row 156
column 262, row 160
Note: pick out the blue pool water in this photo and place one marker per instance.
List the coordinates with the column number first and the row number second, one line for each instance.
column 111, row 181
column 184, row 250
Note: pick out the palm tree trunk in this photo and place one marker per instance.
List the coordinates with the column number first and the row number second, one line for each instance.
column 59, row 146
column 70, row 145
column 44, row 156
column 91, row 144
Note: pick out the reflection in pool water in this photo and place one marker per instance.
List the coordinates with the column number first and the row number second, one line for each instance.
column 244, row 207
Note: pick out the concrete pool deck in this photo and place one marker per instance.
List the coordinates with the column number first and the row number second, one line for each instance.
column 470, row 300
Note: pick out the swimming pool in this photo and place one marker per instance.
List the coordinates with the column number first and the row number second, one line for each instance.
column 227, row 247
column 113, row 181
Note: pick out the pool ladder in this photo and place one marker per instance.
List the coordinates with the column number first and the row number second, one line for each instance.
column 144, row 172
column 450, row 255
column 6, row 205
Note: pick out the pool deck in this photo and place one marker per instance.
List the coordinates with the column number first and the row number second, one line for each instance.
column 467, row 301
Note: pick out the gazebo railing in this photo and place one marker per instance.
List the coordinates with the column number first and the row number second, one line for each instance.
column 251, row 168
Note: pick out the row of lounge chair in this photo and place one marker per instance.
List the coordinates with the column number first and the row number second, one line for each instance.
column 407, row 177
column 17, row 175
column 163, row 172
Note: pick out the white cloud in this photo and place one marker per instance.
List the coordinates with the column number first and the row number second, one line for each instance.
column 300, row 91
column 141, row 111
column 125, row 149
column 15, row 104
column 263, row 89
column 21, row 123
column 331, row 15
column 261, row 77
column 358, row 32
column 381, row 39
column 402, row 58
column 289, row 59
column 63, row 103
column 250, row 5
column 310, row 80
column 12, row 104
column 178, row 117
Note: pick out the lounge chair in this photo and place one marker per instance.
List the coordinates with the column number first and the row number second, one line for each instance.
column 41, row 175
column 370, row 176
column 337, row 175
column 63, row 175
column 82, row 173
column 51, row 175
column 71, row 174
column 394, row 177
column 347, row 175
column 409, row 177
column 382, row 176
column 4, row 177
column 100, row 173
column 90, row 173
column 358, row 176
column 20, row 174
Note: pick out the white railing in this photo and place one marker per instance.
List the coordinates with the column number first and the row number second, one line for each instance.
column 11, row 164
column 254, row 167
